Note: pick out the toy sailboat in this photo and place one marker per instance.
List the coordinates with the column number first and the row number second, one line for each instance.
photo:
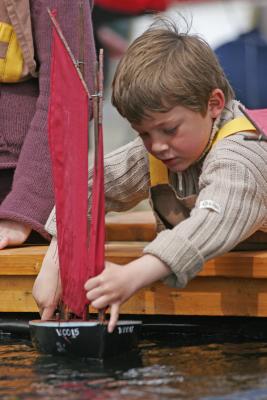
column 81, row 255
column 84, row 338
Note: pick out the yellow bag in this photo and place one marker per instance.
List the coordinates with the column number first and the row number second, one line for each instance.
column 16, row 43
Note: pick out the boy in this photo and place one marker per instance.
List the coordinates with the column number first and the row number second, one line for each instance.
column 175, row 95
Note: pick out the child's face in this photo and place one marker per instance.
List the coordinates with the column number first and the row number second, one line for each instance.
column 177, row 137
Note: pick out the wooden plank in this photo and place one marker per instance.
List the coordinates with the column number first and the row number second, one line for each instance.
column 240, row 264
column 244, row 264
column 25, row 260
column 16, row 294
column 234, row 284
column 131, row 226
column 141, row 226
column 202, row 296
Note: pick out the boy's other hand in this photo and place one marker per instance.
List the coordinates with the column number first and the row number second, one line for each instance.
column 47, row 286
column 13, row 233
column 119, row 282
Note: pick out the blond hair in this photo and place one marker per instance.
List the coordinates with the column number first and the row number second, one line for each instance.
column 164, row 68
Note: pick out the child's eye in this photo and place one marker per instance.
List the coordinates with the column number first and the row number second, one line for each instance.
column 170, row 131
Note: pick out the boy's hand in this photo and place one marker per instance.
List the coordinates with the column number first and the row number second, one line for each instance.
column 117, row 283
column 110, row 288
column 13, row 233
column 47, row 286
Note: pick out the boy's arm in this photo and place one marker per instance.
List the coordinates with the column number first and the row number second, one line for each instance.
column 126, row 180
column 231, row 206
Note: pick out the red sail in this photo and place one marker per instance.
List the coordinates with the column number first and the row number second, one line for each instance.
column 68, row 139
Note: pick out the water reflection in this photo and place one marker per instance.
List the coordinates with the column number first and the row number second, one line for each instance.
column 158, row 371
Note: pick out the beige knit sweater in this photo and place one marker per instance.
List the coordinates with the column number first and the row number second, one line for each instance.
column 229, row 184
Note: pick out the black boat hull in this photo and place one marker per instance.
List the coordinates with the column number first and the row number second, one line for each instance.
column 84, row 338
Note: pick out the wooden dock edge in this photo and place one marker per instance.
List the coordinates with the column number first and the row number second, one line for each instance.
column 232, row 285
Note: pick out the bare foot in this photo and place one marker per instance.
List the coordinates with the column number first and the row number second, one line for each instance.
column 13, row 233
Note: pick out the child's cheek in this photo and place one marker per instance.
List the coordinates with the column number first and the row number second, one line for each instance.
column 147, row 144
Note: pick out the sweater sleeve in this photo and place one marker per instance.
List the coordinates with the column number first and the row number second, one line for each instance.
column 230, row 207
column 31, row 198
column 127, row 180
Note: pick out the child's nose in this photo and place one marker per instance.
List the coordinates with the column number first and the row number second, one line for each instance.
column 159, row 146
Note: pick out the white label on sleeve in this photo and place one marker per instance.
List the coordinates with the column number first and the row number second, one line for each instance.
column 211, row 205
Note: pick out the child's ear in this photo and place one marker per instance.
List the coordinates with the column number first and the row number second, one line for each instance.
column 216, row 103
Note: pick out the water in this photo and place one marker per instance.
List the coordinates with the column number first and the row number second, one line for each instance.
column 158, row 371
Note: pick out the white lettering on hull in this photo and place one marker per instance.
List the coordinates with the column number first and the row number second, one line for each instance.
column 68, row 332
column 125, row 329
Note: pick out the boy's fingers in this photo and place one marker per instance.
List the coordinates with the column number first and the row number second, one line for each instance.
column 101, row 302
column 94, row 293
column 92, row 283
column 114, row 316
